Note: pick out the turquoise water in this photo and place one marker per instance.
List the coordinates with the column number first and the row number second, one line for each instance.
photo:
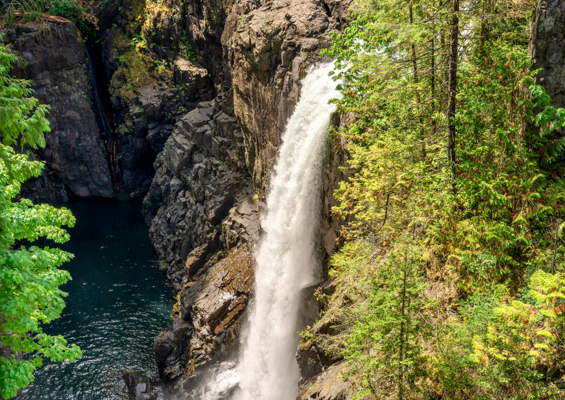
column 118, row 302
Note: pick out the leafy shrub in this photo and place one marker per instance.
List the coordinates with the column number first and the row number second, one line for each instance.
column 29, row 276
column 78, row 11
column 185, row 48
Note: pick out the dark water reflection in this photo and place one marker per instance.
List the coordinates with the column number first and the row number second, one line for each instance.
column 118, row 302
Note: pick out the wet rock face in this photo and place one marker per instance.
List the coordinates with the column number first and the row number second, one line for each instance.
column 267, row 65
column 326, row 386
column 335, row 162
column 46, row 188
column 204, row 220
column 198, row 177
column 141, row 387
column 57, row 66
column 211, row 311
column 547, row 48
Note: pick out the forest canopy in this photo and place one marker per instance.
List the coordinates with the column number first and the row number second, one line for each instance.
column 451, row 275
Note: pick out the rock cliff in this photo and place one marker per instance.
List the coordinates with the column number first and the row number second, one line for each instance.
column 547, row 48
column 199, row 174
column 267, row 64
column 56, row 63
column 148, row 96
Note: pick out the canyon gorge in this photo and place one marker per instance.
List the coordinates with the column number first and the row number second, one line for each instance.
column 195, row 137
column 182, row 107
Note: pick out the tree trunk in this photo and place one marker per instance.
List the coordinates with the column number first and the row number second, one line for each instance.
column 433, row 79
column 453, row 59
column 484, row 25
column 416, row 79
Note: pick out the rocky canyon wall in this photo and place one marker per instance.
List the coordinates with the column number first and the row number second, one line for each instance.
column 204, row 204
column 547, row 48
column 54, row 59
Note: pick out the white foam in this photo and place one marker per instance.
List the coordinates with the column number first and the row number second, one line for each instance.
column 286, row 257
column 286, row 260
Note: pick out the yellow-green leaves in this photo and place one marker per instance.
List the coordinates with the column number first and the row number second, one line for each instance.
column 531, row 333
column 491, row 223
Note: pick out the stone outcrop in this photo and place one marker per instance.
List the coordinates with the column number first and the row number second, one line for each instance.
column 198, row 177
column 175, row 25
column 140, row 387
column 148, row 97
column 211, row 311
column 200, row 23
column 212, row 304
column 326, row 386
column 316, row 354
column 56, row 64
column 205, row 21
column 547, row 48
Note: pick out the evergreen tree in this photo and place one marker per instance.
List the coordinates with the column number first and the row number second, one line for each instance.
column 419, row 77
column 382, row 344
column 29, row 276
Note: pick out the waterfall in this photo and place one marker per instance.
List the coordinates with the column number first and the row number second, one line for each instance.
column 102, row 106
column 286, row 257
column 103, row 115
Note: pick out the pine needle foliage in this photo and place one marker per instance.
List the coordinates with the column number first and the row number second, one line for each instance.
column 29, row 276
column 471, row 230
column 385, row 324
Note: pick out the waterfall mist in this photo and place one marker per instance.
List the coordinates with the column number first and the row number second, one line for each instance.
column 286, row 257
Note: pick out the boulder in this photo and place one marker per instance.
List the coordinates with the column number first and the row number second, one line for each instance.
column 140, row 387
column 326, row 386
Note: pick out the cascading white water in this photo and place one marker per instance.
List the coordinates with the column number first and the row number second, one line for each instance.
column 286, row 257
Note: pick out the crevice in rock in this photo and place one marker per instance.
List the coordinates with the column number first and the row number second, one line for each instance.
column 326, row 9
column 99, row 81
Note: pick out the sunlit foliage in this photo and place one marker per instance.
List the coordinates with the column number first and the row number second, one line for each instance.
column 29, row 275
column 454, row 289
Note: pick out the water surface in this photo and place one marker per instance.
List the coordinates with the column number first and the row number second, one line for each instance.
column 118, row 302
